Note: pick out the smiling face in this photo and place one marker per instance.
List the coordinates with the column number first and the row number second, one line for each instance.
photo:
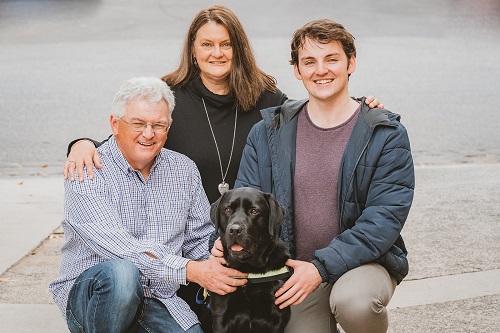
column 213, row 52
column 324, row 69
column 141, row 148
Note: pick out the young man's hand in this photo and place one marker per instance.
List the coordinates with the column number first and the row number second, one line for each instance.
column 305, row 280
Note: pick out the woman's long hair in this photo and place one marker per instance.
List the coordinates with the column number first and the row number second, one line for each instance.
column 246, row 81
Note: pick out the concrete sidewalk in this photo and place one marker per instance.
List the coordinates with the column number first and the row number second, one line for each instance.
column 30, row 209
column 452, row 234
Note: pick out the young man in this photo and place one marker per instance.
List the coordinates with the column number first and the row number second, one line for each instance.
column 139, row 229
column 345, row 174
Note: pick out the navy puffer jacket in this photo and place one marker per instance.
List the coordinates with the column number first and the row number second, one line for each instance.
column 376, row 185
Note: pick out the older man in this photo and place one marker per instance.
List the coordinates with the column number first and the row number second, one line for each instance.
column 139, row 229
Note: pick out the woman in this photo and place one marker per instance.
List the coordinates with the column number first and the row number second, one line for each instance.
column 219, row 91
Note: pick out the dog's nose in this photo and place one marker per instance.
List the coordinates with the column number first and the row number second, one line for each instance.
column 235, row 229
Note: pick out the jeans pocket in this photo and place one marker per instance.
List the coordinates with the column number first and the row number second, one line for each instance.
column 73, row 324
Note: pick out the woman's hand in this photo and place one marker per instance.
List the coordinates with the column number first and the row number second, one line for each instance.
column 83, row 153
column 373, row 102
column 217, row 250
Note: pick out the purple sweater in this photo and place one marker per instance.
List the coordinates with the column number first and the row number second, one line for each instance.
column 319, row 152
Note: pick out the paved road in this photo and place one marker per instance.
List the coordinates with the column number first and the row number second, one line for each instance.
column 435, row 62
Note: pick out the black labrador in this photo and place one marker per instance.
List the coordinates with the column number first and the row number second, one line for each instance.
column 248, row 221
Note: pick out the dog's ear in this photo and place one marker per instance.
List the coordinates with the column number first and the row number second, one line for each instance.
column 214, row 213
column 276, row 214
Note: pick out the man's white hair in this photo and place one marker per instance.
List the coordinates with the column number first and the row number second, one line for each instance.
column 151, row 89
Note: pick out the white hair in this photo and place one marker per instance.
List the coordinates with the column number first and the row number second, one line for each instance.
column 151, row 89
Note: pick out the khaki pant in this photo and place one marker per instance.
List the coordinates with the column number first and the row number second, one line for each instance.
column 357, row 301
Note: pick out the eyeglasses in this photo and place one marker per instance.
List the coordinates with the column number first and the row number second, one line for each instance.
column 140, row 126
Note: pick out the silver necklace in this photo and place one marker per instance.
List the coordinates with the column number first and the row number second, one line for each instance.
column 223, row 186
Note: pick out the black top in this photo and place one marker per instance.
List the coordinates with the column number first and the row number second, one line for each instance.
column 190, row 132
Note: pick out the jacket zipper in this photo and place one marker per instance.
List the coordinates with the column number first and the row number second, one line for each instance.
column 352, row 179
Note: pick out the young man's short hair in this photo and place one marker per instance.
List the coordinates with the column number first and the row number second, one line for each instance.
column 323, row 31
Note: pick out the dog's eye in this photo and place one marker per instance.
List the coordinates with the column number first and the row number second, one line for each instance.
column 227, row 210
column 254, row 211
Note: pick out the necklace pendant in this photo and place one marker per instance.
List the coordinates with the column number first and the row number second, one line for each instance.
column 223, row 187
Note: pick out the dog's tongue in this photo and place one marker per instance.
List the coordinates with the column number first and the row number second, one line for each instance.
column 236, row 247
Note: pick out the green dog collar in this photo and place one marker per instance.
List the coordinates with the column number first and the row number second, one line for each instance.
column 278, row 274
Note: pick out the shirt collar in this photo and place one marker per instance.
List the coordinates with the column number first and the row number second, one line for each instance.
column 122, row 162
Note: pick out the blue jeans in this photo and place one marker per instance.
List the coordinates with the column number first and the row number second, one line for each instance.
column 109, row 298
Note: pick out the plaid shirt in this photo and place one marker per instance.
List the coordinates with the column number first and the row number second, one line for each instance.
column 121, row 215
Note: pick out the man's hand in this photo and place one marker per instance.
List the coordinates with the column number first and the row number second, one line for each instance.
column 212, row 275
column 305, row 280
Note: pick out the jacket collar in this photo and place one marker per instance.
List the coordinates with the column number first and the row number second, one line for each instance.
column 376, row 116
column 281, row 115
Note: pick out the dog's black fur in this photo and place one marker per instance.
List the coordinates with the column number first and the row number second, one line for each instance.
column 248, row 221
